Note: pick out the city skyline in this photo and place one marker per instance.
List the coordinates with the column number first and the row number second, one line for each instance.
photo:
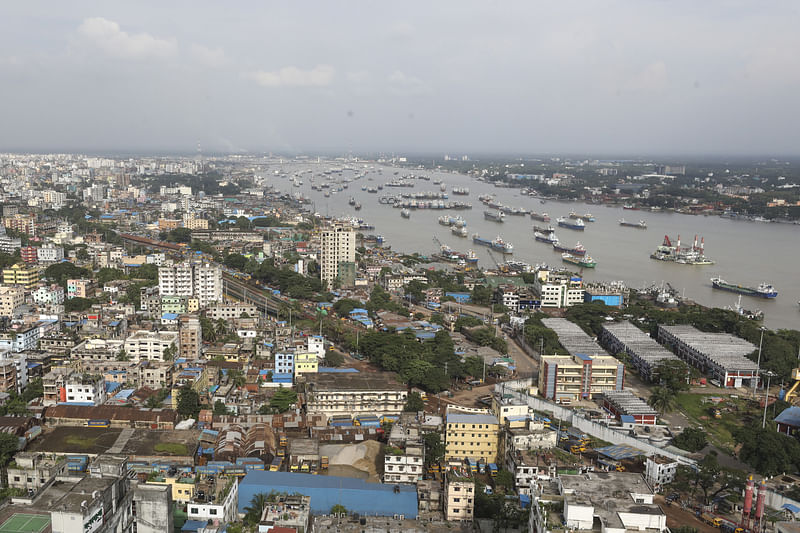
column 625, row 78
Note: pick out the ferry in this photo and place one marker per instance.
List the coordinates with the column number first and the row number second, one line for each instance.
column 577, row 224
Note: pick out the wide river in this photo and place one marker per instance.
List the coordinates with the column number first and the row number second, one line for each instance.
column 745, row 253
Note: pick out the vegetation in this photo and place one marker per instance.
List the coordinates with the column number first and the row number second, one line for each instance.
column 540, row 337
column 434, row 448
column 220, row 408
column 172, row 448
column 414, row 403
column 61, row 272
column 78, row 304
column 333, row 358
column 662, row 399
column 338, row 509
column 283, row 399
column 709, row 479
column 691, row 440
column 767, row 451
column 188, row 403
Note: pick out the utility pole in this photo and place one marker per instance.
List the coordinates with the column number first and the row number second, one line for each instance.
column 766, row 399
column 758, row 364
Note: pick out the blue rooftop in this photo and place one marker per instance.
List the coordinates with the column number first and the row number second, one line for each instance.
column 169, row 316
column 332, row 370
column 374, row 499
column 627, row 419
column 789, row 417
column 620, row 451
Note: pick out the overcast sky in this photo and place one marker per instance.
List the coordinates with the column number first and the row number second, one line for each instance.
column 623, row 77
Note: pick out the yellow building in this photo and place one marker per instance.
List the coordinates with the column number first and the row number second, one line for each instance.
column 566, row 378
column 182, row 486
column 472, row 436
column 19, row 274
column 305, row 363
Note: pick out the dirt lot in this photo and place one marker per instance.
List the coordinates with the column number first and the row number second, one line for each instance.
column 164, row 443
column 355, row 460
column 66, row 439
column 680, row 517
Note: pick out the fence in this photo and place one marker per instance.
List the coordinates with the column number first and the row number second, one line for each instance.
column 594, row 429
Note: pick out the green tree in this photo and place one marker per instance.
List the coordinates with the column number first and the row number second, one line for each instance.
column 434, row 448
column 77, row 304
column 9, row 444
column 691, row 439
column 338, row 509
column 220, row 408
column 188, row 403
column 767, row 451
column 333, row 358
column 481, row 295
column 61, row 272
column 235, row 261
column 181, row 235
column 253, row 511
column 505, row 479
column 106, row 274
column 33, row 390
column 673, row 374
column 414, row 403
column 283, row 399
column 236, row 378
column 123, row 355
column 662, row 399
column 208, row 330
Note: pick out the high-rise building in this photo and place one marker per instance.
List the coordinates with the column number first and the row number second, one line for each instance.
column 191, row 336
column 200, row 280
column 338, row 247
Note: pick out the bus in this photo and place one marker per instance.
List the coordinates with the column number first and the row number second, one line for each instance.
column 98, row 423
column 275, row 466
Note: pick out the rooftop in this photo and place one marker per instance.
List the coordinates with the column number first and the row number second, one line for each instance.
column 638, row 343
column 372, row 381
column 726, row 351
column 573, row 338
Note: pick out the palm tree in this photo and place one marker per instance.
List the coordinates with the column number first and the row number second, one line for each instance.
column 256, row 507
column 662, row 400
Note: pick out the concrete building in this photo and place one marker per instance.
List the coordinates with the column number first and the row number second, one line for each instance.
column 230, row 311
column 8, row 245
column 80, row 288
column 284, row 363
column 155, row 374
column 305, row 363
column 404, row 465
column 508, row 295
column 222, row 507
column 644, row 352
column 471, row 436
column 151, row 346
column 720, row 355
column 191, row 337
column 15, row 365
column 10, row 299
column 459, row 498
column 83, row 389
column 152, row 508
column 573, row 338
column 192, row 279
column 291, row 512
column 659, row 471
column 49, row 253
column 338, row 245
column 565, row 378
column 557, row 290
column 30, row 472
column 373, row 393
column 48, row 295
column 22, row 275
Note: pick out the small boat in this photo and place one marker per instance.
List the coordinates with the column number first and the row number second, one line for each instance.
column 352, row 201
column 630, row 207
column 459, row 231
column 357, row 207
column 405, row 213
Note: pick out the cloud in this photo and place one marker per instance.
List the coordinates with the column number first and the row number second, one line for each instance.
column 210, row 57
column 359, row 77
column 107, row 36
column 403, row 84
column 652, row 78
column 401, row 31
column 319, row 76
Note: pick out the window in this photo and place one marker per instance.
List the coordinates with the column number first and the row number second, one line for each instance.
column 212, row 511
column 193, row 510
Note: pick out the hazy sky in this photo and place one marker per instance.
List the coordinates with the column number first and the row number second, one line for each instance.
column 636, row 76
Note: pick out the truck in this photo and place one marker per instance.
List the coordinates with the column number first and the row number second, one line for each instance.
column 283, row 440
column 275, row 466
column 324, row 462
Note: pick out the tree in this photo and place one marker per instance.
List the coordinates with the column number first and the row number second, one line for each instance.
column 77, row 304
column 208, row 329
column 434, row 448
column 673, row 374
column 61, row 272
column 33, row 390
column 767, row 451
column 338, row 509
column 662, row 400
column 253, row 511
column 414, row 403
column 691, row 440
column 220, row 408
column 505, row 479
column 236, row 261
column 106, row 274
column 481, row 295
column 236, row 378
column 333, row 358
column 169, row 353
column 9, row 444
column 183, row 235
column 283, row 399
column 188, row 403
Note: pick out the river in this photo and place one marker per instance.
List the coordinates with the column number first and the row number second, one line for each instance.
column 745, row 253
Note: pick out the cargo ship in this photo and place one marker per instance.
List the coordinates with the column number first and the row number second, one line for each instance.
column 577, row 250
column 584, row 262
column 543, row 229
column 549, row 238
column 693, row 255
column 764, row 290
column 576, row 224
column 494, row 217
column 502, row 246
column 543, row 217
column 639, row 225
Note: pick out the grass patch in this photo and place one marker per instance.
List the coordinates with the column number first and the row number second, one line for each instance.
column 80, row 441
column 173, row 448
column 735, row 414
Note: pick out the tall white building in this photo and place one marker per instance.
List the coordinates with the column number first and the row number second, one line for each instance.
column 338, row 246
column 199, row 280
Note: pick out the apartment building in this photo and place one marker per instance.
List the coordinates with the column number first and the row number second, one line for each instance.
column 404, row 465
column 48, row 295
column 230, row 311
column 191, row 337
column 8, row 245
column 10, row 299
column 64, row 385
column 567, row 378
column 49, row 253
column 374, row 393
column 338, row 246
column 150, row 345
column 459, row 500
column 305, row 363
column 558, row 290
column 193, row 279
column 22, row 275
column 155, row 374
column 31, row 471
column 471, row 436
column 80, row 288
column 15, row 372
